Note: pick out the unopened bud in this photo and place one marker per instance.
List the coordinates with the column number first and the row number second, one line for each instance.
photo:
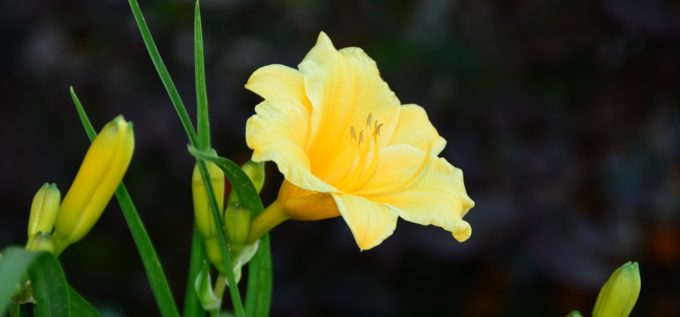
column 102, row 170
column 202, row 211
column 44, row 210
column 237, row 225
column 40, row 242
column 619, row 295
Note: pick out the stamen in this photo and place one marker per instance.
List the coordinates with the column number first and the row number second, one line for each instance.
column 353, row 133
column 368, row 121
column 361, row 137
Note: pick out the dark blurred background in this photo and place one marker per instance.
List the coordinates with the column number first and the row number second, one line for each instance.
column 564, row 116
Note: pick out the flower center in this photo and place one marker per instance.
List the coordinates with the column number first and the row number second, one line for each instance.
column 366, row 150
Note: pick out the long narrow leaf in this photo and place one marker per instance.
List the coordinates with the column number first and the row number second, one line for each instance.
column 202, row 116
column 191, row 134
column 152, row 265
column 192, row 307
column 259, row 292
column 163, row 72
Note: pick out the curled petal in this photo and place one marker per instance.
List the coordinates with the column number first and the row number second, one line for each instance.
column 279, row 82
column 437, row 197
column 370, row 222
column 278, row 132
column 414, row 128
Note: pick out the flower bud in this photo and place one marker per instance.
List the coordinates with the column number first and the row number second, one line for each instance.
column 237, row 218
column 618, row 296
column 202, row 211
column 99, row 175
column 44, row 210
column 40, row 242
column 255, row 172
column 237, row 225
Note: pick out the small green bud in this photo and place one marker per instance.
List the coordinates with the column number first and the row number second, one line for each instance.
column 620, row 293
column 575, row 313
column 237, row 225
column 40, row 242
column 202, row 211
column 44, row 210
column 213, row 253
column 255, row 172
column 102, row 170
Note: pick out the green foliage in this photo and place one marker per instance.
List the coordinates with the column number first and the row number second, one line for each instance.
column 50, row 290
column 152, row 265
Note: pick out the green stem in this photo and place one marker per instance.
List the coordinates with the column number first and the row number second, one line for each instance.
column 14, row 310
column 147, row 253
column 192, row 308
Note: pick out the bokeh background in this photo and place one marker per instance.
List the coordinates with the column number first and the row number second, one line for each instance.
column 564, row 116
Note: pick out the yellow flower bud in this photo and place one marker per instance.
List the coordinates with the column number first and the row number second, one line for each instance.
column 44, row 210
column 102, row 170
column 40, row 242
column 618, row 296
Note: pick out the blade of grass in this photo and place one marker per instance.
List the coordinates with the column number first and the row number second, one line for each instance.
column 259, row 292
column 152, row 265
column 163, row 72
column 192, row 307
column 202, row 115
column 191, row 134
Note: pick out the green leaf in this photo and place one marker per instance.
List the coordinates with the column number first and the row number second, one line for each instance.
column 13, row 265
column 201, row 89
column 50, row 290
column 191, row 135
column 81, row 307
column 204, row 290
column 259, row 292
column 163, row 72
column 152, row 265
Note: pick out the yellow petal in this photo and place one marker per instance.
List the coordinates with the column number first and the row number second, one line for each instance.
column 414, row 128
column 370, row 223
column 437, row 197
column 279, row 82
column 278, row 132
column 345, row 89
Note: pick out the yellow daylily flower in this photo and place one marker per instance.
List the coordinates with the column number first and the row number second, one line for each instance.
column 347, row 147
